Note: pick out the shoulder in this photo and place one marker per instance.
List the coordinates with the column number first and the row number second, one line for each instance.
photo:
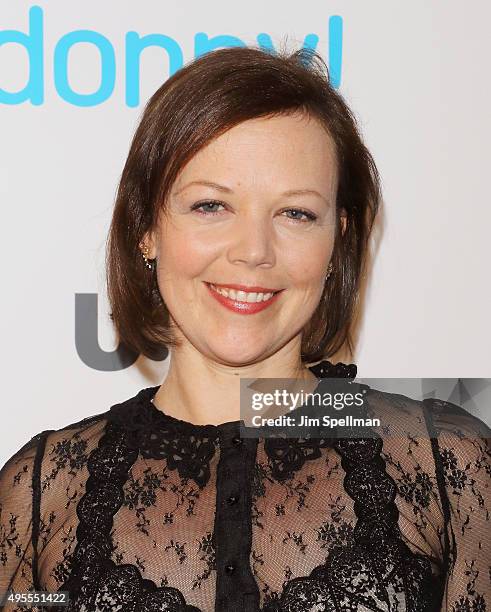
column 431, row 417
column 463, row 447
column 462, row 442
column 31, row 454
column 447, row 418
column 17, row 472
column 445, row 439
column 48, row 472
column 75, row 438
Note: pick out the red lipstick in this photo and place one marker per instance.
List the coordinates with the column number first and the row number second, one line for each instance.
column 243, row 307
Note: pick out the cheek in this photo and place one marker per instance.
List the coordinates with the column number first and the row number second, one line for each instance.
column 184, row 255
column 307, row 265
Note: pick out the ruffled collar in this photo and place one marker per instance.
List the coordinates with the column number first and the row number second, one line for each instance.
column 139, row 412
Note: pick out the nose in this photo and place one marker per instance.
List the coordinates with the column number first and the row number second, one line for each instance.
column 252, row 242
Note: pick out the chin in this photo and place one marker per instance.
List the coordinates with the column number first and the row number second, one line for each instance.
column 238, row 355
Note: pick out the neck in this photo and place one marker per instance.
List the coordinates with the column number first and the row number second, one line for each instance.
column 202, row 391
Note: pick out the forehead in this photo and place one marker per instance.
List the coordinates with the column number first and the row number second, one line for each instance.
column 288, row 148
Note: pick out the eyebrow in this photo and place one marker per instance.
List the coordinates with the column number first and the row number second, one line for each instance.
column 224, row 189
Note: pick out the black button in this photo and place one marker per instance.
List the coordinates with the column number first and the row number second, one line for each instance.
column 230, row 568
column 233, row 499
column 236, row 440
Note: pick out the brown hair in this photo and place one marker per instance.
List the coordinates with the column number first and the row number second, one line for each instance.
column 208, row 96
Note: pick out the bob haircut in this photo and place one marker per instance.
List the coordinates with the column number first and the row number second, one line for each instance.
column 202, row 100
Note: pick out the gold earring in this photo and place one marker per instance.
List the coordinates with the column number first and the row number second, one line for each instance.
column 329, row 270
column 148, row 262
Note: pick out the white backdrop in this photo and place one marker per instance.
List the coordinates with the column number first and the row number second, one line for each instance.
column 417, row 77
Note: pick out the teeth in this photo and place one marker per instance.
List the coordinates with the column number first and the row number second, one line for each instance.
column 242, row 296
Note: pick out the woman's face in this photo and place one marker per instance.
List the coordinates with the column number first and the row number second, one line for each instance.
column 255, row 207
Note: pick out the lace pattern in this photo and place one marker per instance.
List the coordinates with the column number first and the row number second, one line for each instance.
column 184, row 447
column 377, row 570
column 100, row 584
column 119, row 510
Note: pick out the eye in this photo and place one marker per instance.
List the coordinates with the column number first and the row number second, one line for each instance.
column 199, row 206
column 299, row 215
column 308, row 216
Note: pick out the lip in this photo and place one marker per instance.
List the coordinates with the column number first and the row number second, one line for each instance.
column 241, row 307
column 249, row 288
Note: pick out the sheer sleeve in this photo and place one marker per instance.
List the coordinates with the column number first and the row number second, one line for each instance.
column 19, row 505
column 461, row 446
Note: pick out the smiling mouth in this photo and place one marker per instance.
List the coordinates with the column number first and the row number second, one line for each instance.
column 238, row 295
column 243, row 302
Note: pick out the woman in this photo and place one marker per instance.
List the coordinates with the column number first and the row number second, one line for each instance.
column 238, row 241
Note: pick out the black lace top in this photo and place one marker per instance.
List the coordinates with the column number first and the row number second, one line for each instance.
column 133, row 510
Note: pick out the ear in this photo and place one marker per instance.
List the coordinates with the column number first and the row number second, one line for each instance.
column 149, row 240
